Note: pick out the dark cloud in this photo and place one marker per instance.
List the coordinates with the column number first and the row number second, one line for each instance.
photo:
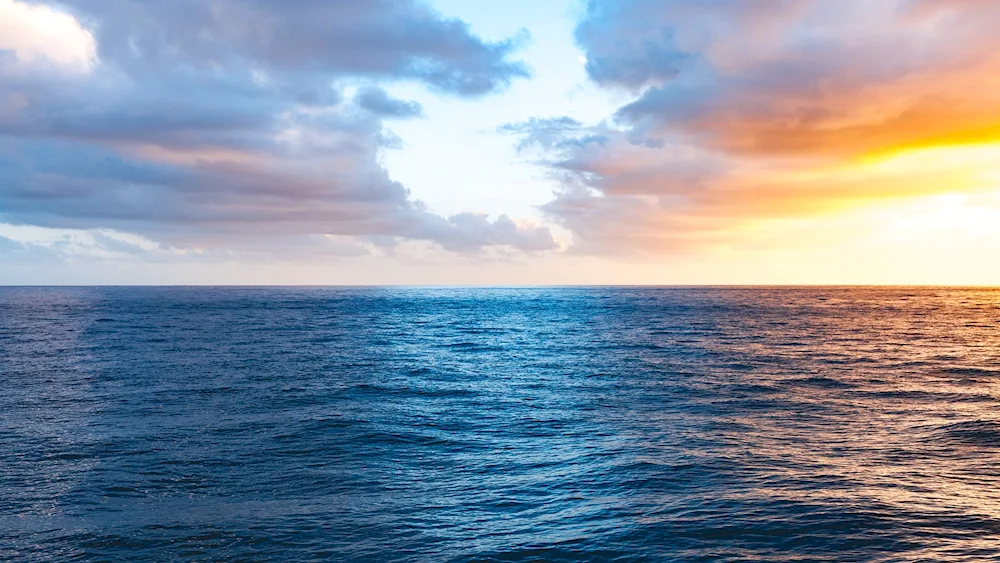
column 223, row 123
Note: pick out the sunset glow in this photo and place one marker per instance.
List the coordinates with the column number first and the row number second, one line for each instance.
column 481, row 280
column 594, row 142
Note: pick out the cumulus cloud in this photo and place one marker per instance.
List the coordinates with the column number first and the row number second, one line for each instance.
column 38, row 33
column 743, row 112
column 224, row 123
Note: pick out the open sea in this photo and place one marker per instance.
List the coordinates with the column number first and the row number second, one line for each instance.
column 506, row 424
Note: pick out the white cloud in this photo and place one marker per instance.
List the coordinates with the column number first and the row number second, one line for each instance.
column 37, row 33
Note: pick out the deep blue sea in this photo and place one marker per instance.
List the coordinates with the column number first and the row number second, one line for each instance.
column 528, row 424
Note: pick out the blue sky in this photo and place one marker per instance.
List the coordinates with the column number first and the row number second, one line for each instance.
column 560, row 141
column 484, row 170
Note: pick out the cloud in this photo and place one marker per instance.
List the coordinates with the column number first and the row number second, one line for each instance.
column 471, row 231
column 224, row 124
column 37, row 33
column 394, row 39
column 551, row 134
column 743, row 113
column 14, row 252
column 810, row 77
column 377, row 101
column 116, row 245
column 10, row 245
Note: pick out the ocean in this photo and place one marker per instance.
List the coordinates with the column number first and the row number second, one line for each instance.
column 499, row 424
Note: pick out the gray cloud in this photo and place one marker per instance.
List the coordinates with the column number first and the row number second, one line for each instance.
column 377, row 101
column 467, row 232
column 623, row 49
column 223, row 123
column 303, row 190
column 394, row 39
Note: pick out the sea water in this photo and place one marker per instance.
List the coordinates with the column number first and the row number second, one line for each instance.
column 499, row 424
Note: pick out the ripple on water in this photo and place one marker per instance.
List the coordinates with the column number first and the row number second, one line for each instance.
column 542, row 424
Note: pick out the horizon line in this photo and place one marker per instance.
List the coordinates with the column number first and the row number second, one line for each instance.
column 510, row 286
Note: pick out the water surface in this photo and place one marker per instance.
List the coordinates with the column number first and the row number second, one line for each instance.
column 393, row 424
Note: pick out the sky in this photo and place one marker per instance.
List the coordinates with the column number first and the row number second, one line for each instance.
column 499, row 143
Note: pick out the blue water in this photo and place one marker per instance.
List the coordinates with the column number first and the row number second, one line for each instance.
column 600, row 424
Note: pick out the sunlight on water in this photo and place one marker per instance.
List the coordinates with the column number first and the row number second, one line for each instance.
column 822, row 424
